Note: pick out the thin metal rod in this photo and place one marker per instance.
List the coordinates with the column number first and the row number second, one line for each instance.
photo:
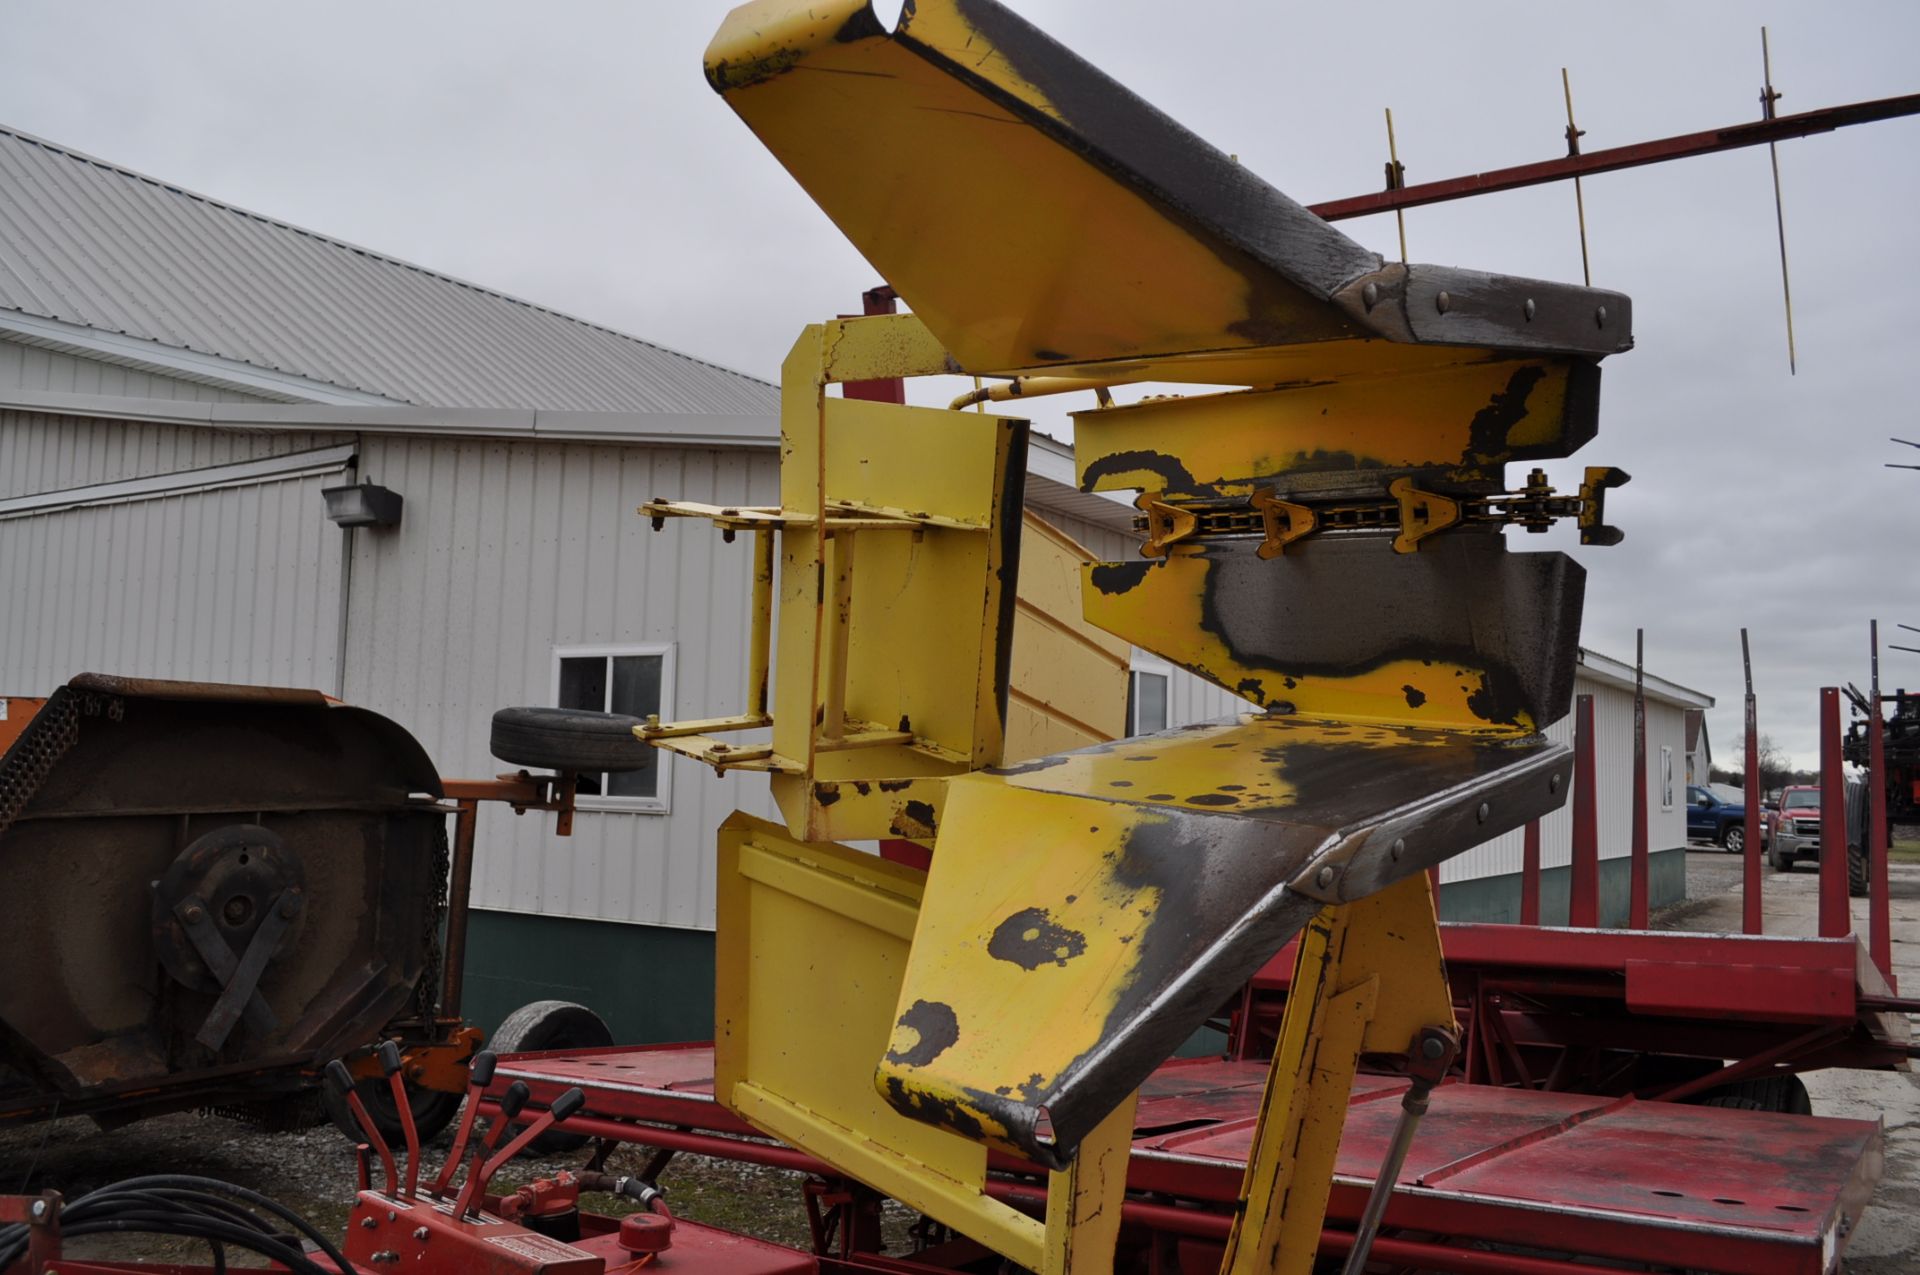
column 1613, row 159
column 1574, row 134
column 1396, row 180
column 1768, row 96
column 1879, row 919
column 1413, row 1107
column 1752, row 919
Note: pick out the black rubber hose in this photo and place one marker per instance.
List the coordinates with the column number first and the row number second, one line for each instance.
column 192, row 1194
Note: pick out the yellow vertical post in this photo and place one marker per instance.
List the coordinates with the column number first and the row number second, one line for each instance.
column 1368, row 978
column 839, row 619
column 1084, row 1200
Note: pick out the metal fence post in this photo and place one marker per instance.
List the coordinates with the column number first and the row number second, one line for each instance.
column 1836, row 917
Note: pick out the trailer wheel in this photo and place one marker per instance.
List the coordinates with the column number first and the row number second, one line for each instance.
column 1857, row 871
column 1784, row 1094
column 432, row 1111
column 568, row 739
column 544, row 1025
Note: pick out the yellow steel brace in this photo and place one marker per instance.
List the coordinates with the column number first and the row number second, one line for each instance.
column 1368, row 978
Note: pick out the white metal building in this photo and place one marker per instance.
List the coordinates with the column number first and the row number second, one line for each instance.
column 179, row 379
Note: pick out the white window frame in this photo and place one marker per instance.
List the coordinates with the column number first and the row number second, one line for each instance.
column 1153, row 667
column 662, row 804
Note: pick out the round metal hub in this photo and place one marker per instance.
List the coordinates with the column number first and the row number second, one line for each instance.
column 234, row 874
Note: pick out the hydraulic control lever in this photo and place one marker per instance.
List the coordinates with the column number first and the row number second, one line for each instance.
column 479, row 1076
column 510, row 1104
column 342, row 1082
column 389, row 1053
column 562, row 1107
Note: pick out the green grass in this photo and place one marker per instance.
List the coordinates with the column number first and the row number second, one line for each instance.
column 1904, row 852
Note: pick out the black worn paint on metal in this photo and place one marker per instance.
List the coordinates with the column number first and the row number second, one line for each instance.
column 1219, row 881
column 1031, row 938
column 1339, row 606
column 937, row 1028
column 153, row 770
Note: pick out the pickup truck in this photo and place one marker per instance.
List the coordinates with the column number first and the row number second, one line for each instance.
column 1717, row 815
column 1796, row 828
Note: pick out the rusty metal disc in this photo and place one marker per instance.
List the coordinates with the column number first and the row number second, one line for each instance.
column 236, row 873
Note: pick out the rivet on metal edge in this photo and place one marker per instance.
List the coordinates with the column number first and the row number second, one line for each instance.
column 1324, row 878
column 1528, row 308
column 1432, row 1047
column 1443, row 302
column 1399, row 847
column 39, row 1208
column 1370, row 295
column 1553, row 783
column 1600, row 317
column 1483, row 812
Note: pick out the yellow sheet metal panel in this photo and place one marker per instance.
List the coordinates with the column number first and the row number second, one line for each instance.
column 1334, row 437
column 812, row 940
column 1069, row 681
column 916, row 166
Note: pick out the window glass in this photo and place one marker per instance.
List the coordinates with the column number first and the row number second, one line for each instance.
column 626, row 684
column 1149, row 703
column 636, row 693
column 1804, row 799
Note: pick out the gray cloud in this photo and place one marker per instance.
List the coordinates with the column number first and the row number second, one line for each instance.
column 570, row 153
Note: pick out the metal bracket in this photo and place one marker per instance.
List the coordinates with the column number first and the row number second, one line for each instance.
column 239, row 978
column 1284, row 522
column 1593, row 504
column 1421, row 514
column 1166, row 524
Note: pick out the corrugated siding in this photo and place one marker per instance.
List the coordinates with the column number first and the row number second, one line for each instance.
column 31, row 367
column 42, row 453
column 508, row 550
column 236, row 585
column 89, row 243
column 1613, row 766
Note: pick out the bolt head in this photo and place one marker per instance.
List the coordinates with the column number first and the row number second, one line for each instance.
column 1482, row 813
column 367, row 1223
column 1443, row 302
column 1370, row 295
column 1553, row 783
column 195, row 913
column 1600, row 316
column 39, row 1208
column 1324, row 877
column 1432, row 1047
column 1399, row 847
column 421, row 1233
column 1527, row 309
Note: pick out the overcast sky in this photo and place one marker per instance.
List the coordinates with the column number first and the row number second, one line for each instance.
column 571, row 154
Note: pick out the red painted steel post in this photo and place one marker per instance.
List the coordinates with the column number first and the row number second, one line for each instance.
column 1879, row 933
column 1638, row 910
column 1530, row 874
column 1752, row 922
column 1836, row 917
column 1583, row 906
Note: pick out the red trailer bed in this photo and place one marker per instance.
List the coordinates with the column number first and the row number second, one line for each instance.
column 1701, row 1187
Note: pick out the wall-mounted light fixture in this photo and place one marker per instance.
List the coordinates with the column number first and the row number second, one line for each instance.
column 362, row 505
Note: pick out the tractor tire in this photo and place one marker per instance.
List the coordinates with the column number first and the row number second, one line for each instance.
column 1857, row 872
column 544, row 1025
column 1733, row 838
column 1783, row 1094
column 432, row 1111
column 568, row 739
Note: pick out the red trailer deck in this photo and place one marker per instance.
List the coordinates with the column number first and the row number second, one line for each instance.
column 1699, row 1187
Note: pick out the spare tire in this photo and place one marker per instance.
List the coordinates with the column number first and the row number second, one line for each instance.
column 568, row 739
column 545, row 1025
